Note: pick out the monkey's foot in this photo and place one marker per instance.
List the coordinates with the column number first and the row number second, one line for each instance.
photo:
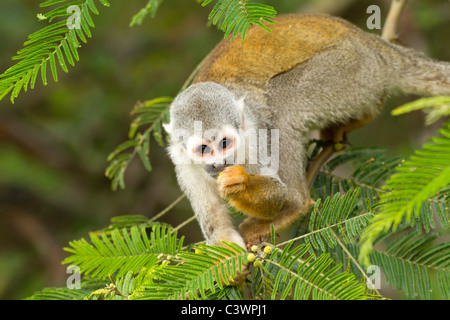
column 232, row 180
column 240, row 277
column 255, row 231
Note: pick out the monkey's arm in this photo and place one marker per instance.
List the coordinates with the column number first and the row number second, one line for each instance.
column 210, row 209
column 255, row 195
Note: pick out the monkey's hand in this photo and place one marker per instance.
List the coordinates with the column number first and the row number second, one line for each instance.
column 255, row 195
column 263, row 198
column 232, row 181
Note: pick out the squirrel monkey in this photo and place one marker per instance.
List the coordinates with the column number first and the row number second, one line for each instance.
column 264, row 96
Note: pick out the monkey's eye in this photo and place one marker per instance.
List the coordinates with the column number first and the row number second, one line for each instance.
column 225, row 143
column 203, row 149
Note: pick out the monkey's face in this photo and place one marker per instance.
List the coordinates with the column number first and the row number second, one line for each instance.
column 205, row 127
column 215, row 149
column 212, row 149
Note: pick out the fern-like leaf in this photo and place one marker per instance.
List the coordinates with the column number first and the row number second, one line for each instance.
column 370, row 168
column 410, row 261
column 60, row 294
column 150, row 9
column 122, row 250
column 152, row 113
column 294, row 274
column 196, row 275
column 340, row 213
column 87, row 286
column 420, row 179
column 55, row 45
column 435, row 107
column 234, row 17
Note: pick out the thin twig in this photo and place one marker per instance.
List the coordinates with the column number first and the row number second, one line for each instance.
column 181, row 225
column 390, row 27
column 309, row 283
column 167, row 209
column 194, row 73
column 328, row 227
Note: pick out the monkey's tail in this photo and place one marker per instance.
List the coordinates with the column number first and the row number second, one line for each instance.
column 421, row 75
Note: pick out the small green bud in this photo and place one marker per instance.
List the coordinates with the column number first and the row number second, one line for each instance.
column 165, row 263
column 257, row 264
column 338, row 146
column 255, row 248
column 251, row 257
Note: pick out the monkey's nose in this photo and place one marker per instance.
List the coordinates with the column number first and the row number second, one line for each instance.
column 214, row 169
column 220, row 166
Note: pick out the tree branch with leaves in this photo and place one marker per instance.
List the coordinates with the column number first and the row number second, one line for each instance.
column 392, row 212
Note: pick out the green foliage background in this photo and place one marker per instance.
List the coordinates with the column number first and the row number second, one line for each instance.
column 54, row 141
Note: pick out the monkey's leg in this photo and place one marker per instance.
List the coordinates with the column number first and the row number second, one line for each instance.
column 338, row 133
column 296, row 196
column 335, row 140
column 255, row 230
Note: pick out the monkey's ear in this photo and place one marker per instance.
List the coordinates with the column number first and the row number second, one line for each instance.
column 240, row 105
column 167, row 127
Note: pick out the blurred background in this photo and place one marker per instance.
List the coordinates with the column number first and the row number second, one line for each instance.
column 54, row 140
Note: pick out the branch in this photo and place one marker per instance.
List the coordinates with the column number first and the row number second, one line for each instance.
column 390, row 27
column 317, row 163
column 358, row 266
column 167, row 209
